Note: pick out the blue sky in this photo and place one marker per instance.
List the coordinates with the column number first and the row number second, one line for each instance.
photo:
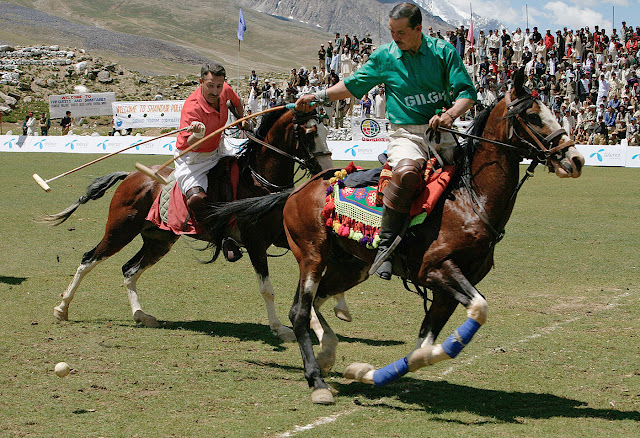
column 557, row 14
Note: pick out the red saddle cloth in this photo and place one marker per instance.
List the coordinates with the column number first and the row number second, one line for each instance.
column 178, row 219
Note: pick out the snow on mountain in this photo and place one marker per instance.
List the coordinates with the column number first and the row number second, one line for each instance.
column 456, row 16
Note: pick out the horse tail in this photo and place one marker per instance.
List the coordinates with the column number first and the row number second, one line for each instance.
column 247, row 211
column 95, row 190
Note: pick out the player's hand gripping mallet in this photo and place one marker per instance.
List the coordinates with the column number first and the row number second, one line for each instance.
column 44, row 183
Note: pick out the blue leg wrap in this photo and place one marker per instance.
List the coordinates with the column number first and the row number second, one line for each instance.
column 391, row 372
column 460, row 337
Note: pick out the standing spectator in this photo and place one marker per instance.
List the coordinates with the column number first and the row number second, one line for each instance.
column 322, row 54
column 264, row 93
column 24, row 125
column 253, row 78
column 603, row 90
column 45, row 124
column 381, row 103
column 482, row 45
column 65, row 123
column 329, row 55
column 494, row 44
column 549, row 41
column 366, row 106
column 535, row 36
column 526, row 39
column 518, row 46
column 505, row 40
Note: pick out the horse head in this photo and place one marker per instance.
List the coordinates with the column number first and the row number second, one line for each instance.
column 312, row 141
column 532, row 124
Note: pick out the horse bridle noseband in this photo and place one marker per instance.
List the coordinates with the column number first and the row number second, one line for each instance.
column 542, row 153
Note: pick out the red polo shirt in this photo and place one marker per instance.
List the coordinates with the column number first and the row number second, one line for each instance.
column 196, row 108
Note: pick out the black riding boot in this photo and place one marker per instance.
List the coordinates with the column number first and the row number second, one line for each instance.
column 393, row 225
column 196, row 203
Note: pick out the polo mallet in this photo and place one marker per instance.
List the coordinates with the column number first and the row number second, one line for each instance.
column 44, row 183
column 155, row 173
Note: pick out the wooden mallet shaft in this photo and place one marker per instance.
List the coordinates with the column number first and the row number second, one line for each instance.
column 43, row 183
column 155, row 173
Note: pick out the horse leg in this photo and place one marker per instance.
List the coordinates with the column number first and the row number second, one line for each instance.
column 257, row 250
column 266, row 289
column 300, row 316
column 156, row 243
column 436, row 317
column 447, row 278
column 341, row 309
column 107, row 247
column 339, row 277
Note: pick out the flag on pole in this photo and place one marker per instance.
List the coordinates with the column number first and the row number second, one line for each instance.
column 470, row 33
column 242, row 26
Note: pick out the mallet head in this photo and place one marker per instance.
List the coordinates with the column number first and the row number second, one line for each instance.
column 41, row 182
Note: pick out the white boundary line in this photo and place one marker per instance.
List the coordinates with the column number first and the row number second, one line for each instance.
column 319, row 422
column 543, row 331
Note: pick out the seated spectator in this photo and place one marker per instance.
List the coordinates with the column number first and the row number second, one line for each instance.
column 610, row 117
column 614, row 102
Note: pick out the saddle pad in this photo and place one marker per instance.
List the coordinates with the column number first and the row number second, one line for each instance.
column 352, row 212
column 169, row 211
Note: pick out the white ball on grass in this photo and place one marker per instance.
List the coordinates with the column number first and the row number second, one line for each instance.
column 62, row 369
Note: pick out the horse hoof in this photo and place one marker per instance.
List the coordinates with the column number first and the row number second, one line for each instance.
column 342, row 314
column 285, row 334
column 146, row 320
column 359, row 372
column 325, row 362
column 60, row 314
column 322, row 396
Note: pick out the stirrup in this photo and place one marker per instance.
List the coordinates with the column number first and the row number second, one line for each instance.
column 385, row 271
column 231, row 250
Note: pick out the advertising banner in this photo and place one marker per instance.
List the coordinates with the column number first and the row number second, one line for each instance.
column 633, row 156
column 81, row 104
column 369, row 130
column 147, row 114
column 604, row 155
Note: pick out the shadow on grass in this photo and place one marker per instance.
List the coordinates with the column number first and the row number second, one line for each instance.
column 499, row 406
column 12, row 280
column 245, row 331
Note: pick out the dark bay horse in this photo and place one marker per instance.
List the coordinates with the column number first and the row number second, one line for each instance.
column 262, row 170
column 448, row 254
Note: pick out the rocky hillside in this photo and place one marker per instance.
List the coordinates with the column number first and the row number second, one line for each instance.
column 28, row 75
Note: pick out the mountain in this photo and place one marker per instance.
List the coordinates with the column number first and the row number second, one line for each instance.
column 457, row 17
column 357, row 17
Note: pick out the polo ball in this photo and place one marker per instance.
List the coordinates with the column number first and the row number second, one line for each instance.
column 62, row 369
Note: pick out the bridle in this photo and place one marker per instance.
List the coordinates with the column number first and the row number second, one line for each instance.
column 542, row 152
column 308, row 163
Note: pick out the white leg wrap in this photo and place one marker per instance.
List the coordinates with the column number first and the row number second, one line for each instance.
column 61, row 312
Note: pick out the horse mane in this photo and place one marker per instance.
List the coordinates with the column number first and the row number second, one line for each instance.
column 267, row 122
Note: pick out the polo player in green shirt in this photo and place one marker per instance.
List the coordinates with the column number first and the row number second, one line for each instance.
column 422, row 75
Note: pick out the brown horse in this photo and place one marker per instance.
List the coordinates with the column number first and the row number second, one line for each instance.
column 448, row 254
column 299, row 137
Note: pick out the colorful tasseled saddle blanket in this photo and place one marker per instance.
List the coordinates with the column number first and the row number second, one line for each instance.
column 356, row 213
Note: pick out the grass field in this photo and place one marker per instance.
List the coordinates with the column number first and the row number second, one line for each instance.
column 558, row 356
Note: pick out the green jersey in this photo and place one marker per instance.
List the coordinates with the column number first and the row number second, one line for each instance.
column 416, row 85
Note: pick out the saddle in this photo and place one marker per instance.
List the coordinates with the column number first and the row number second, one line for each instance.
column 169, row 210
column 353, row 206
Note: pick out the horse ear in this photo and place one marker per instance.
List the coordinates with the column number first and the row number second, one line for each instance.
column 518, row 83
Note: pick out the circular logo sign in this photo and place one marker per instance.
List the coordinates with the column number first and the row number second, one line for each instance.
column 370, row 128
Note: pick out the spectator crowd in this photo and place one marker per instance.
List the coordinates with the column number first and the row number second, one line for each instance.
column 588, row 77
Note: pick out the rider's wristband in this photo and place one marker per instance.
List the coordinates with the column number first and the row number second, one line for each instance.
column 322, row 96
column 452, row 118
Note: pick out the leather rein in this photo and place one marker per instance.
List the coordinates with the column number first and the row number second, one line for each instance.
column 303, row 163
column 541, row 152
